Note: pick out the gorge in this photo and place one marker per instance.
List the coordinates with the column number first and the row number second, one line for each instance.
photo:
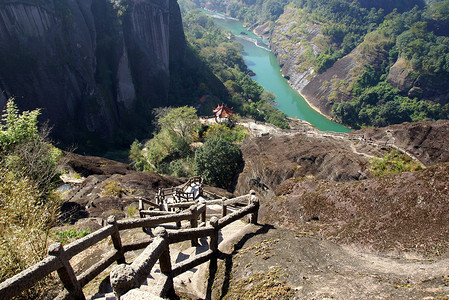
column 341, row 215
column 95, row 68
column 261, row 60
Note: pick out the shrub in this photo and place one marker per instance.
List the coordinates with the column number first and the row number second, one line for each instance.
column 393, row 162
column 218, row 161
column 17, row 128
column 234, row 134
column 26, row 150
column 25, row 223
column 136, row 155
column 28, row 206
column 67, row 236
column 182, row 167
column 177, row 129
column 113, row 188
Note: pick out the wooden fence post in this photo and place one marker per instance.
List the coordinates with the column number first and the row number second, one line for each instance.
column 66, row 273
column 164, row 259
column 178, row 223
column 252, row 194
column 116, row 240
column 225, row 207
column 194, row 222
column 203, row 214
column 254, row 216
column 165, row 265
column 214, row 237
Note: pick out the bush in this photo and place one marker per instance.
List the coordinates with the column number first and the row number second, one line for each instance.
column 224, row 131
column 69, row 235
column 218, row 161
column 136, row 155
column 25, row 224
column 26, row 150
column 177, row 130
column 28, row 206
column 17, row 128
column 393, row 162
column 113, row 188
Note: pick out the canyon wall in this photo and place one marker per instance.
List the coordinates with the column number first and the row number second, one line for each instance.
column 94, row 67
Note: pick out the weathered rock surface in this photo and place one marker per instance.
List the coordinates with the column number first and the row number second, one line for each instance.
column 274, row 159
column 274, row 263
column 322, row 182
column 90, row 165
column 111, row 188
column 89, row 64
column 404, row 212
column 427, row 141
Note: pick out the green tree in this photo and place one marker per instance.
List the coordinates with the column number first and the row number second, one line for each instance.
column 181, row 122
column 17, row 128
column 136, row 155
column 218, row 161
column 26, row 151
column 177, row 130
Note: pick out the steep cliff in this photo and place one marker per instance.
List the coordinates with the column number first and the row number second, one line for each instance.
column 96, row 68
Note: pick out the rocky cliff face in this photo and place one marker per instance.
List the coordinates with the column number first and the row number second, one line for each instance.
column 428, row 86
column 89, row 65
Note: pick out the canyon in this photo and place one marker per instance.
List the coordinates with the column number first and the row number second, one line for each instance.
column 94, row 68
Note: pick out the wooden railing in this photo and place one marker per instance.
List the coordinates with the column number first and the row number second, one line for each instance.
column 180, row 193
column 127, row 277
column 59, row 256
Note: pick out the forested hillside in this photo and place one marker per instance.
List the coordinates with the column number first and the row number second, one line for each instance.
column 364, row 63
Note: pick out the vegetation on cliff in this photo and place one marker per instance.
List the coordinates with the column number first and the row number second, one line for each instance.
column 28, row 206
column 409, row 38
column 401, row 49
column 223, row 57
column 177, row 147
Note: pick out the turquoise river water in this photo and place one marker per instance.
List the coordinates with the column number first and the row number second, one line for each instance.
column 262, row 61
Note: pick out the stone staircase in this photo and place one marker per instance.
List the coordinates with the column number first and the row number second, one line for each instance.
column 193, row 280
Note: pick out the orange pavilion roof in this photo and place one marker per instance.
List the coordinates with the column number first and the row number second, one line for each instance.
column 223, row 111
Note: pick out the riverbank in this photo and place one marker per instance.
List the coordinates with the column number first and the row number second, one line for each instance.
column 268, row 74
column 309, row 103
column 257, row 30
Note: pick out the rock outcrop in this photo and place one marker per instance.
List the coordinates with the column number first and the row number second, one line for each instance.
column 272, row 159
column 312, row 179
column 414, row 85
column 427, row 141
column 89, row 65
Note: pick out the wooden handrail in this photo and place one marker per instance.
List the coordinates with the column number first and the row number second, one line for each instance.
column 88, row 275
column 138, row 270
column 59, row 256
column 121, row 280
column 153, row 221
column 192, row 262
column 82, row 244
column 11, row 287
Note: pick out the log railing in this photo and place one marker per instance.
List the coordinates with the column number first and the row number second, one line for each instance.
column 59, row 256
column 180, row 193
column 127, row 277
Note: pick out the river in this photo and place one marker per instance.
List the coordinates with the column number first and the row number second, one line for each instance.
column 262, row 61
